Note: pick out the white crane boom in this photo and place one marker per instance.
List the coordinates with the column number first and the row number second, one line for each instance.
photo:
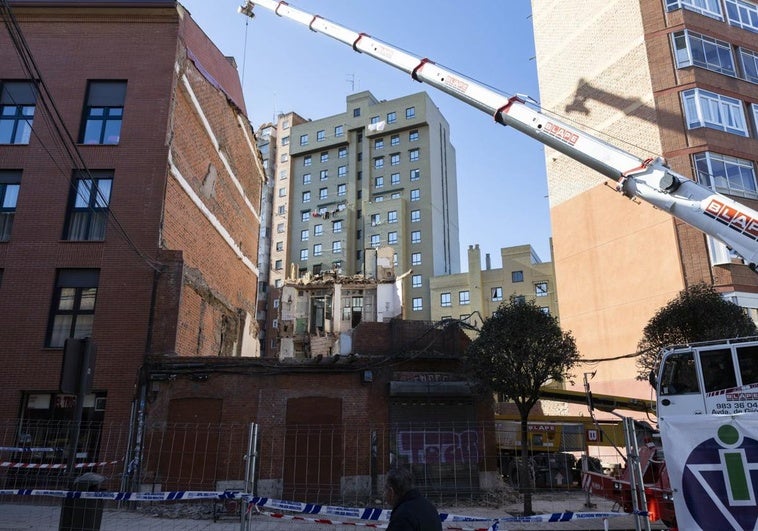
column 730, row 222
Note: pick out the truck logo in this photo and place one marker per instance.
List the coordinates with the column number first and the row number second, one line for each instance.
column 561, row 133
column 720, row 481
column 732, row 218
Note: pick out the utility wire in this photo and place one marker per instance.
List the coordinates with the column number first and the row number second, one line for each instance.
column 62, row 137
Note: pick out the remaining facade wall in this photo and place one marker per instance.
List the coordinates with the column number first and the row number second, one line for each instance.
column 609, row 65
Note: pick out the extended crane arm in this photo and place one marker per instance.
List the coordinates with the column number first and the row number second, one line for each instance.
column 732, row 223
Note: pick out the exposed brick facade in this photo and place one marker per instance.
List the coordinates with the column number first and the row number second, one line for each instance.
column 180, row 279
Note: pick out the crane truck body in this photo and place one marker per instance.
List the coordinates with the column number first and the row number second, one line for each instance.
column 710, row 428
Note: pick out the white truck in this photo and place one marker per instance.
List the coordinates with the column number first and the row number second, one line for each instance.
column 707, row 395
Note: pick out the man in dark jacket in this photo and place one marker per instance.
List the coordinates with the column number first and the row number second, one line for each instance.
column 410, row 510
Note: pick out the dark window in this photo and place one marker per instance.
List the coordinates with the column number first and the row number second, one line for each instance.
column 17, row 103
column 88, row 206
column 10, row 183
column 73, row 310
column 517, row 276
column 103, row 112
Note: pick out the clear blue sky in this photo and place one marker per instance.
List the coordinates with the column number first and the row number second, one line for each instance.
column 502, row 188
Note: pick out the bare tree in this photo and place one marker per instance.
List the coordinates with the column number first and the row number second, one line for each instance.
column 698, row 313
column 521, row 348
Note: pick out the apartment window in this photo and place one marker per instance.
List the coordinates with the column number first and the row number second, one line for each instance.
column 517, row 276
column 418, row 304
column 378, row 182
column 376, row 219
column 323, row 175
column 337, row 226
column 306, row 196
column 375, row 240
column 726, row 174
column 395, row 159
column 10, row 183
column 342, row 152
column 356, row 112
column 286, row 124
column 378, row 199
column 395, row 195
column 545, row 310
column 285, row 141
column 497, row 294
column 283, row 175
column 749, row 61
column 325, row 156
column 742, row 14
column 464, row 297
column 446, row 300
column 391, row 117
column 303, row 254
column 378, row 162
column 694, row 49
column 278, row 265
column 540, row 289
column 304, row 140
column 379, row 143
column 392, row 238
column 395, row 140
column 413, row 136
column 306, row 178
column 278, row 283
column 73, row 307
column 282, row 192
column 413, row 155
column 284, row 157
column 282, row 209
column 280, row 228
column 374, row 120
column 307, row 160
column 320, row 136
column 318, row 230
column 88, row 205
column 18, row 100
column 415, row 174
column 341, row 189
column 336, row 247
column 280, row 245
column 322, row 193
column 394, row 259
column 703, row 108
column 416, row 259
column 392, row 216
column 103, row 112
column 304, row 235
column 395, row 179
column 709, row 8
column 416, row 236
column 305, row 215
column 415, row 216
column 416, row 281
column 317, row 249
column 415, row 194
column 339, row 130
column 410, row 112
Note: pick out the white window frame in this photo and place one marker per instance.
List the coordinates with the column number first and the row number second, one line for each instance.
column 416, row 281
column 703, row 108
column 418, row 304
column 745, row 11
column 446, row 299
column 464, row 297
column 415, row 258
column 718, row 171
column 686, row 42
column 709, row 8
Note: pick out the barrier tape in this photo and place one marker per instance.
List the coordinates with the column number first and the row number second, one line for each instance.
column 29, row 450
column 366, row 513
column 52, row 466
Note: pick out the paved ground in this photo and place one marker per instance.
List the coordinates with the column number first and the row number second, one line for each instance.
column 18, row 517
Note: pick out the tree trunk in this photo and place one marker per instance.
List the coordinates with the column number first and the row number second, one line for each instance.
column 525, row 479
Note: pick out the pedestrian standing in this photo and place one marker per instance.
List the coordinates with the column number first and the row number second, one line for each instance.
column 411, row 511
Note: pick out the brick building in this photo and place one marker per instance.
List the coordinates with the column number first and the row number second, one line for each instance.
column 139, row 230
column 328, row 427
column 671, row 78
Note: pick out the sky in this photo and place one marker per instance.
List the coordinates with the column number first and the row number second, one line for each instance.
column 285, row 67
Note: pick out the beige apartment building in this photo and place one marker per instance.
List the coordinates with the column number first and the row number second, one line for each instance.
column 671, row 78
column 475, row 295
column 382, row 173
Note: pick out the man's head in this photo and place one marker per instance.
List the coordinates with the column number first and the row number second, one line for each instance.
column 398, row 482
